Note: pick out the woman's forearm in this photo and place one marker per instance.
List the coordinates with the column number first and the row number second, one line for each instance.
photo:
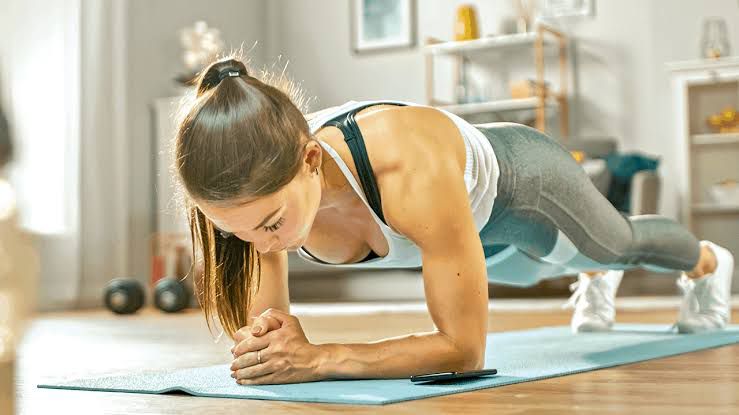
column 397, row 357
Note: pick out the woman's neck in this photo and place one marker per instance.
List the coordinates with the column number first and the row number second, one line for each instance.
column 336, row 191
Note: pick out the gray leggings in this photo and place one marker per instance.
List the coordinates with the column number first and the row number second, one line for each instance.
column 555, row 222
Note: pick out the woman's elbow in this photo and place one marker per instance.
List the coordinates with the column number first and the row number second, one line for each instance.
column 474, row 361
column 470, row 353
column 473, row 357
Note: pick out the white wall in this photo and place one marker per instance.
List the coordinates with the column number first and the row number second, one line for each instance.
column 621, row 88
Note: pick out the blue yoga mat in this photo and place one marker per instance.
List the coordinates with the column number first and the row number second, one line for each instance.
column 519, row 356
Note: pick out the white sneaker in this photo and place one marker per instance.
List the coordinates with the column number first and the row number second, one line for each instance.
column 593, row 301
column 706, row 300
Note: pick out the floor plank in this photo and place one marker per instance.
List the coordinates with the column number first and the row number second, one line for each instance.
column 59, row 346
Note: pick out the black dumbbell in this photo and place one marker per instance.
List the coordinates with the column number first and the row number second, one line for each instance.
column 171, row 295
column 124, row 295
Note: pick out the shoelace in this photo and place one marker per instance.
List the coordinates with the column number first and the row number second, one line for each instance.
column 685, row 285
column 577, row 291
column 581, row 289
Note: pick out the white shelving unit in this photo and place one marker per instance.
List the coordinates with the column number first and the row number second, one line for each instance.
column 701, row 88
column 714, row 139
column 464, row 50
column 497, row 105
column 485, row 43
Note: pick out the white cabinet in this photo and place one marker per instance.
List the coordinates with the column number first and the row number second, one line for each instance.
column 702, row 88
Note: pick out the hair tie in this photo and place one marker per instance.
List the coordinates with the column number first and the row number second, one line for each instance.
column 225, row 74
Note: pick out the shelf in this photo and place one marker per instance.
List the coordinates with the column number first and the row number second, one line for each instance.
column 462, row 51
column 702, row 64
column 496, row 106
column 499, row 42
column 713, row 139
column 708, row 208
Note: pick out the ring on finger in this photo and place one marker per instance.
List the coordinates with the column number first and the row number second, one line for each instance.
column 259, row 356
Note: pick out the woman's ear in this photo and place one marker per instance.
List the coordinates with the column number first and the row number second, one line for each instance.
column 313, row 156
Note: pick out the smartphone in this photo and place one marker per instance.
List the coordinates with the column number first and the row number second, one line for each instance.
column 432, row 377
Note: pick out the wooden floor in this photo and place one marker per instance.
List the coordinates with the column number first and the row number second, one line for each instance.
column 75, row 344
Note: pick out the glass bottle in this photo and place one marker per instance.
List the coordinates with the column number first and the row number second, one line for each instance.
column 715, row 40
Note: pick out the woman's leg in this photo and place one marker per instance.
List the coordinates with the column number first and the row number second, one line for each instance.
column 556, row 222
column 548, row 208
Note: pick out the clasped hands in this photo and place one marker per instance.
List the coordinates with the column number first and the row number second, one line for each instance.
column 274, row 350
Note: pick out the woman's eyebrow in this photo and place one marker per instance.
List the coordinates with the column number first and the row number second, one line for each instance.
column 266, row 219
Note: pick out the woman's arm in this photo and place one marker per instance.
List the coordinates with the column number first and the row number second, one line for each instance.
column 273, row 286
column 430, row 206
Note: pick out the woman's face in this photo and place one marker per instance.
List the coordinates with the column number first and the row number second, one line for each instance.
column 281, row 220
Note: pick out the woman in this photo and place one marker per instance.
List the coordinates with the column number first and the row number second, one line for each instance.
column 435, row 191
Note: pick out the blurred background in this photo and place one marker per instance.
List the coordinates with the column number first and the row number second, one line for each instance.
column 643, row 93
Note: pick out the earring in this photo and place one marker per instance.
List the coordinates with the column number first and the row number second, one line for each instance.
column 316, row 171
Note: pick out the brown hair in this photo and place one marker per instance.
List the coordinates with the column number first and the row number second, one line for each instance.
column 238, row 137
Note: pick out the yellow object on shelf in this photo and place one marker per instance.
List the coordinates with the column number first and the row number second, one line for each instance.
column 725, row 121
column 465, row 27
column 526, row 88
column 728, row 115
column 578, row 155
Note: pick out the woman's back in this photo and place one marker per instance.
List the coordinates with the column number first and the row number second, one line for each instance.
column 388, row 150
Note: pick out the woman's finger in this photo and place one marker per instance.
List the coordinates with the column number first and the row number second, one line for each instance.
column 254, row 367
column 250, row 344
column 264, row 324
column 249, row 359
column 243, row 332
column 269, row 379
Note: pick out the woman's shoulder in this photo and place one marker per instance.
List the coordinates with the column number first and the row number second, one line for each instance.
column 396, row 135
column 421, row 157
column 401, row 138
column 404, row 145
column 415, row 135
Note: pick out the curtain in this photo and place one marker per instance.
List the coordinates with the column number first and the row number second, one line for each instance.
column 61, row 79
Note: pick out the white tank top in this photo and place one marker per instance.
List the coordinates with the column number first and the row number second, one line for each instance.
column 480, row 177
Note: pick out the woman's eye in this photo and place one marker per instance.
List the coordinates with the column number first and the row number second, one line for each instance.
column 276, row 226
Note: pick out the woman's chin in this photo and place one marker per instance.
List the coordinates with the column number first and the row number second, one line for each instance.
column 295, row 245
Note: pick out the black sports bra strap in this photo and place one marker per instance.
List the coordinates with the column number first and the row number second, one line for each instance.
column 355, row 141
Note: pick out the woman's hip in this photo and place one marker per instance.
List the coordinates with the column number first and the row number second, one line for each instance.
column 531, row 165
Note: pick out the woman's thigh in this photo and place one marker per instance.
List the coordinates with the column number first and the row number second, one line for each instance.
column 544, row 194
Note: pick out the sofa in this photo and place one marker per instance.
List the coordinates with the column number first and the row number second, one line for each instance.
column 645, row 185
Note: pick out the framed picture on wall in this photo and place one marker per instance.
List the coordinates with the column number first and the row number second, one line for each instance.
column 380, row 25
column 567, row 8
